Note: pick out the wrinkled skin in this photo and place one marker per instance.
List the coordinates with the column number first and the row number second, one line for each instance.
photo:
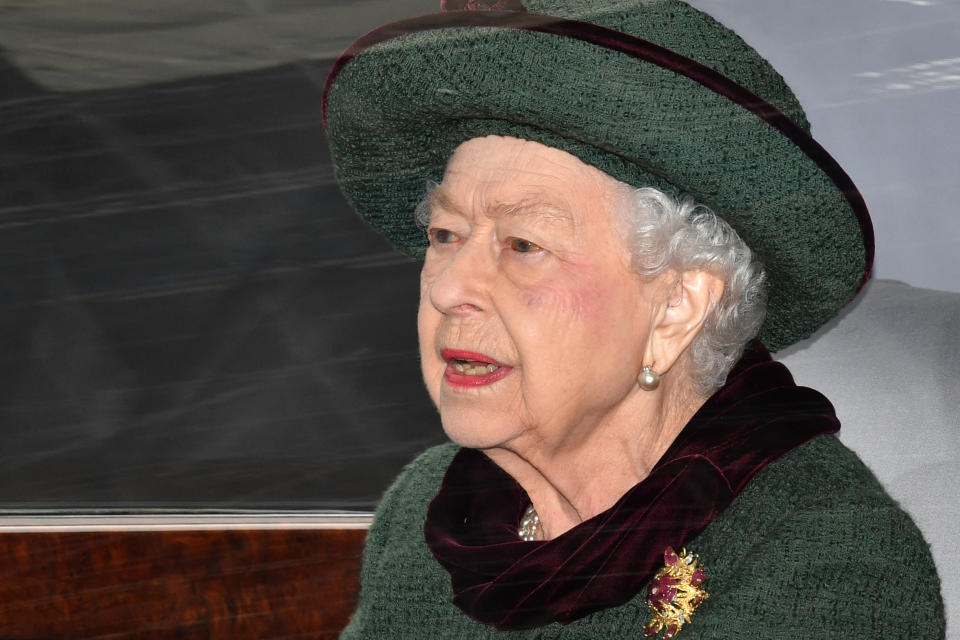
column 527, row 267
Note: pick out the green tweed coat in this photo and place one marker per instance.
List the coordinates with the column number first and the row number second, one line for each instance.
column 813, row 548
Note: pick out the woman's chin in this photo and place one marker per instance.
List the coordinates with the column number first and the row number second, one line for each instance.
column 474, row 429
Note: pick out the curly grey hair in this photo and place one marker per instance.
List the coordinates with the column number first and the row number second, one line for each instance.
column 665, row 233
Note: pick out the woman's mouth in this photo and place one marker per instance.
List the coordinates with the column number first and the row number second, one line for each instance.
column 470, row 369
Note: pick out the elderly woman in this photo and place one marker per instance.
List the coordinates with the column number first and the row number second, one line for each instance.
column 627, row 460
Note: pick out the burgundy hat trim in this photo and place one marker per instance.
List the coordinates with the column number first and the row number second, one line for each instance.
column 637, row 48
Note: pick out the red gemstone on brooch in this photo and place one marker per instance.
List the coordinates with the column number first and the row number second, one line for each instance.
column 675, row 593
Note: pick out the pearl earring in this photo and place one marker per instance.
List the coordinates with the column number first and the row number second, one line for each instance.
column 648, row 379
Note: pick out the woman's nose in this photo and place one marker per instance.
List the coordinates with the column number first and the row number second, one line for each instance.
column 462, row 286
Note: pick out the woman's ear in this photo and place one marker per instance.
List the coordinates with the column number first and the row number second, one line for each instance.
column 690, row 296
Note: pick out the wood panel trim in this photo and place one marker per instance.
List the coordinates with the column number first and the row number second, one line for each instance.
column 222, row 582
column 184, row 521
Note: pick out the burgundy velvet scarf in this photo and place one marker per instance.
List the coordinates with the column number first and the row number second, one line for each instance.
column 498, row 579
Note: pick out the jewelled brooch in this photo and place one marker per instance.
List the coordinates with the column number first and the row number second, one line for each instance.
column 675, row 593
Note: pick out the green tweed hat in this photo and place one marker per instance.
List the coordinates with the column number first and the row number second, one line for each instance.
column 652, row 92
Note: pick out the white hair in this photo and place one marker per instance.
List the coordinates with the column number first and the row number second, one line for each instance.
column 669, row 234
column 421, row 214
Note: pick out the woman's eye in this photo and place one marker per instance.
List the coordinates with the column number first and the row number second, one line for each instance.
column 442, row 236
column 523, row 246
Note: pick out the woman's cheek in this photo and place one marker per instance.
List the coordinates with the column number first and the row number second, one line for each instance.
column 575, row 294
column 556, row 309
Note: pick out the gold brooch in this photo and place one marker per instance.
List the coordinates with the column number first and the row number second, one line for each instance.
column 675, row 593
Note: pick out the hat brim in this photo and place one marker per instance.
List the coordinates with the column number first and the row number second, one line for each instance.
column 401, row 100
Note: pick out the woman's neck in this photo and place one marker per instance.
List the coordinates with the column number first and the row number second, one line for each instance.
column 572, row 482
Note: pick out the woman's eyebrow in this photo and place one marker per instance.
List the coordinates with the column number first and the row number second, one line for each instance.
column 438, row 199
column 532, row 208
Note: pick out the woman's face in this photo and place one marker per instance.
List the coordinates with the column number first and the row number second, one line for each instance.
column 532, row 324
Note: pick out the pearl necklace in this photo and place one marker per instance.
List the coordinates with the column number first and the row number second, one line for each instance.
column 530, row 525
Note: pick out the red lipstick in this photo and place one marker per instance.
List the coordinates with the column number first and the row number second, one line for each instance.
column 471, row 359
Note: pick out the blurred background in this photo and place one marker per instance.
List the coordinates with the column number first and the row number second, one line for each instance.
column 192, row 318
